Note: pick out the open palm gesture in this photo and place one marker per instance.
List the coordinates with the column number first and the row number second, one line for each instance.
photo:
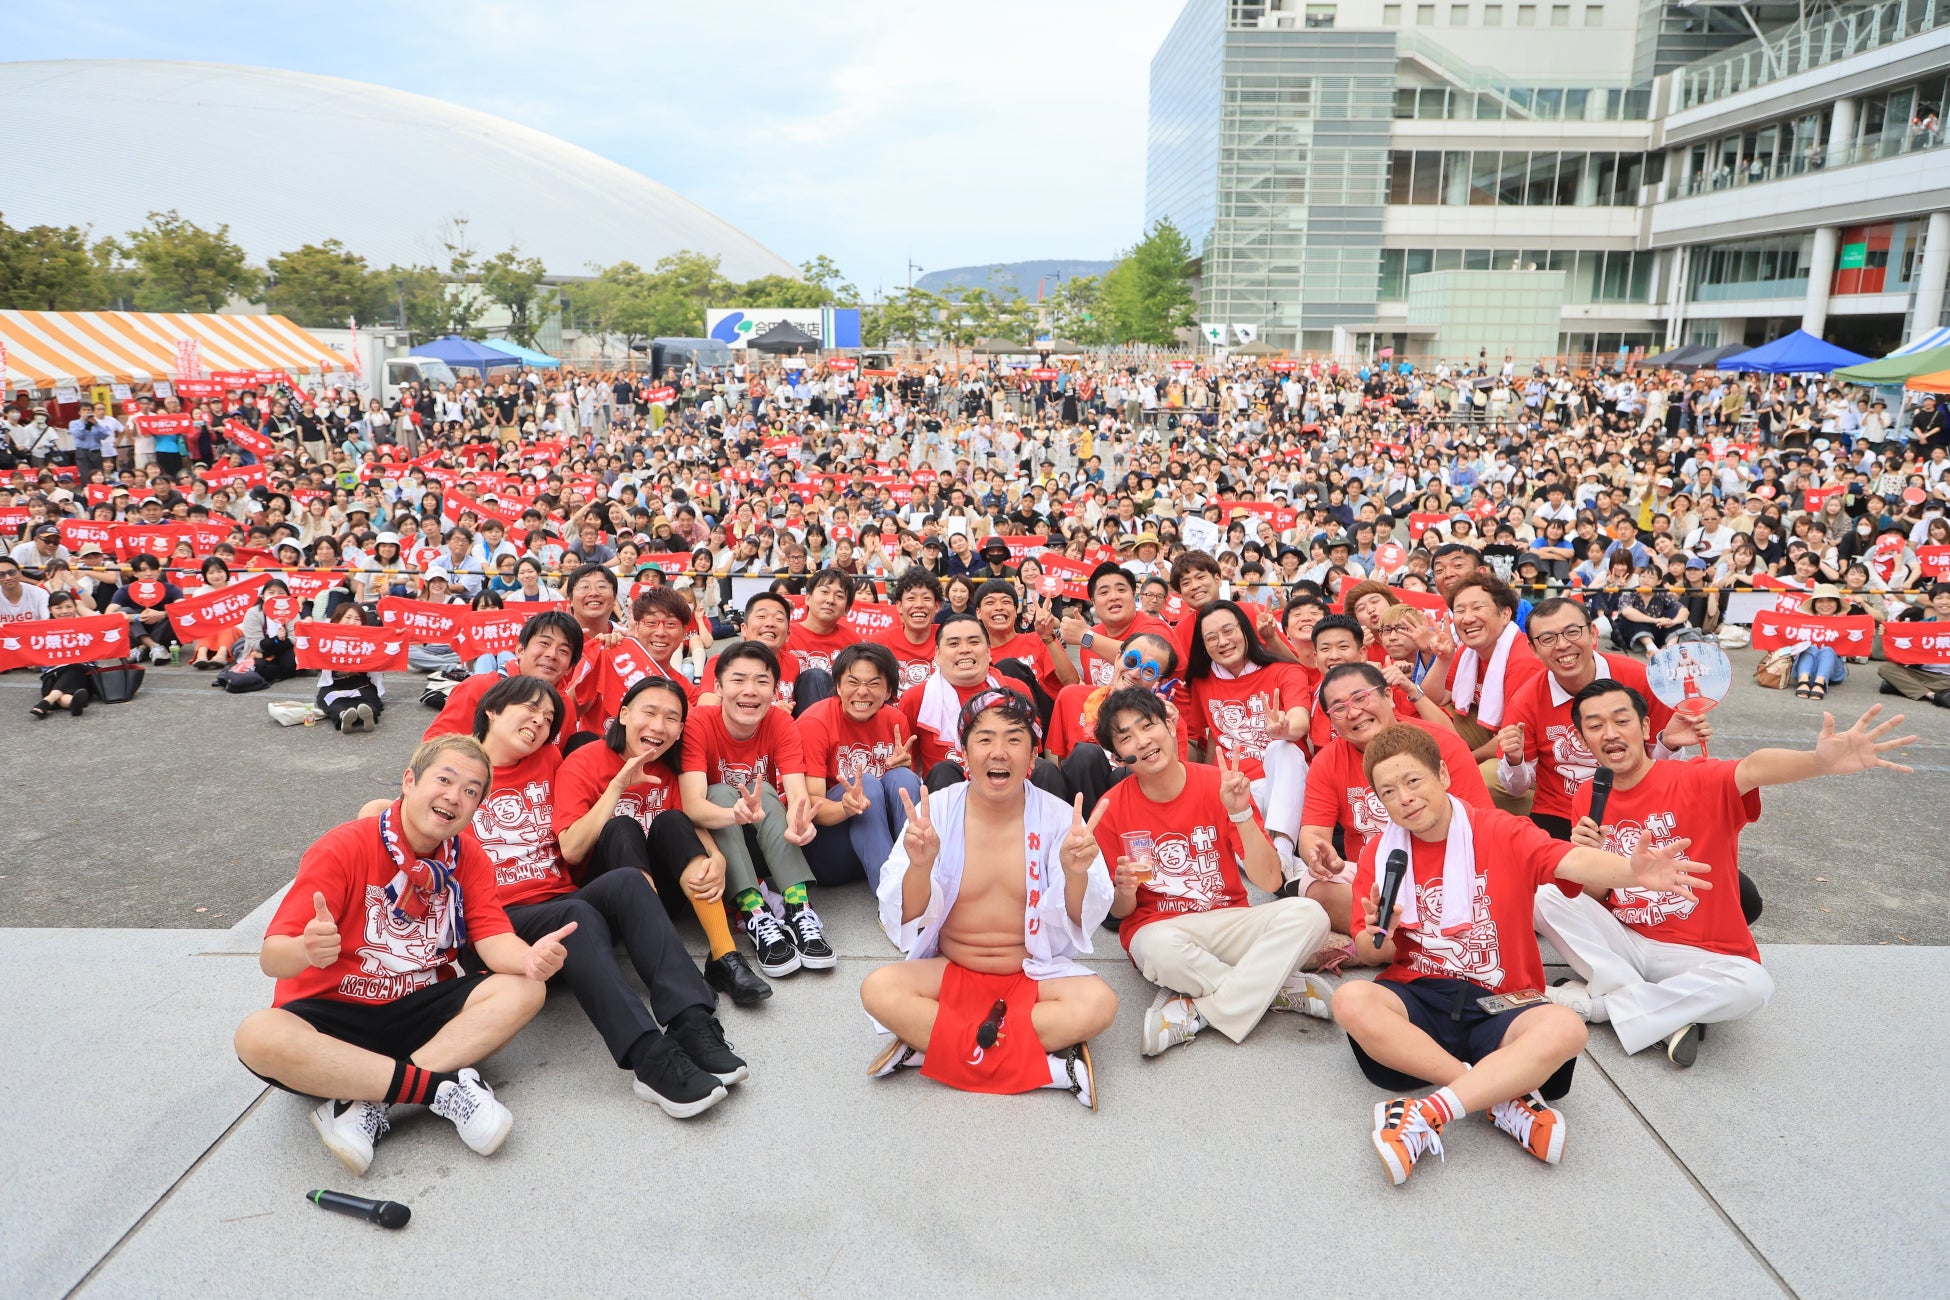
column 1861, row 747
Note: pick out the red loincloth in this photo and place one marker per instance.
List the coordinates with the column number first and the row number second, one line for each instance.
column 1017, row 1062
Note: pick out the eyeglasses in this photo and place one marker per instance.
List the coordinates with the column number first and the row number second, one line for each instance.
column 1569, row 636
column 1358, row 699
column 1148, row 670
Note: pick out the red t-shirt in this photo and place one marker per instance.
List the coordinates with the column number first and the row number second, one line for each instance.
column 834, row 743
column 1186, row 627
column 816, row 650
column 1518, row 670
column 930, row 748
column 1198, row 848
column 515, row 827
column 788, row 677
column 1097, row 670
column 1549, row 739
column 1338, row 793
column 771, row 752
column 456, row 716
column 380, row 960
column 1073, row 721
column 1233, row 711
column 585, row 774
column 1028, row 649
column 1694, row 799
column 916, row 661
column 1499, row 949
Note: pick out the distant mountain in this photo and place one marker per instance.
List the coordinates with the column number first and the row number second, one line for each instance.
column 1023, row 277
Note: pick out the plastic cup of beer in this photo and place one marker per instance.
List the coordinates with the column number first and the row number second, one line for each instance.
column 1143, row 855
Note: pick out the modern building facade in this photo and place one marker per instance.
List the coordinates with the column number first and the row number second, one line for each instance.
column 1691, row 173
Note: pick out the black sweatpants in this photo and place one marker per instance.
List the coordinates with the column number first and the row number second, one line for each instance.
column 618, row 904
column 663, row 851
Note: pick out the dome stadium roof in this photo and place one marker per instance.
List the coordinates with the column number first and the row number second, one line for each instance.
column 113, row 139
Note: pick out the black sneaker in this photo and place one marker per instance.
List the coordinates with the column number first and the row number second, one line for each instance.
column 777, row 954
column 731, row 975
column 665, row 1075
column 809, row 937
column 701, row 1037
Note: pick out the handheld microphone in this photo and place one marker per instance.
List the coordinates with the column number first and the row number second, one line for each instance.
column 1392, row 876
column 387, row 1214
column 1600, row 794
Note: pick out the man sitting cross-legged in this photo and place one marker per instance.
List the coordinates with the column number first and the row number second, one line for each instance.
column 1460, row 1004
column 1186, row 921
column 992, row 893
column 381, row 1015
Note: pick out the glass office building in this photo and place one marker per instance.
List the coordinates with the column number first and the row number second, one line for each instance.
column 1692, row 182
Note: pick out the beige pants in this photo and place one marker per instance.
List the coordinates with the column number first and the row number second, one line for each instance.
column 1475, row 734
column 1231, row 960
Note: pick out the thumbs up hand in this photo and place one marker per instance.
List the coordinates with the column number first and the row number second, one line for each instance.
column 321, row 937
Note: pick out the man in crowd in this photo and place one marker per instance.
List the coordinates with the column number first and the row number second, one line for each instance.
column 822, row 633
column 932, row 714
column 916, row 597
column 1184, row 839
column 1113, row 599
column 1493, row 665
column 1926, row 681
column 549, row 647
column 992, row 895
column 1660, row 965
column 768, row 621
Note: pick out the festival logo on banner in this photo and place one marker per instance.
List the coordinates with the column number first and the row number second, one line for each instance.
column 1934, row 561
column 1817, row 497
column 660, row 396
column 14, row 518
column 149, row 593
column 1846, row 634
column 1281, row 517
column 235, row 476
column 216, row 610
column 280, row 609
column 1916, row 643
column 348, row 648
column 308, row 585
column 422, row 622
column 496, row 631
column 456, row 504
column 1064, row 577
column 1389, row 557
column 249, row 439
column 670, row 562
column 198, row 390
column 1421, row 521
column 1043, row 373
column 47, row 642
column 620, row 667
column 160, row 541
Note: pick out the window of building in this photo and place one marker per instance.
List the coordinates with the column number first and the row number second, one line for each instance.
column 1526, row 15
column 1321, row 15
column 1459, row 15
column 1425, row 15
column 1594, row 15
column 1391, row 15
column 1492, row 15
column 1560, row 15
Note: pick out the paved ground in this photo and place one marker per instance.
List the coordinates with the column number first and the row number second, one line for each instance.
column 198, row 805
column 138, row 1158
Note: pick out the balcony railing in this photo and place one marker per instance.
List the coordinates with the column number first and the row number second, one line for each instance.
column 1916, row 138
column 1803, row 46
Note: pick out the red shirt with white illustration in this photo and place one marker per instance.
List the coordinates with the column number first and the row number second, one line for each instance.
column 585, row 774
column 1195, row 842
column 817, row 649
column 1232, row 711
column 916, row 661
column 929, row 747
column 1498, row 949
column 1073, row 721
column 515, row 827
column 771, row 751
column 788, row 677
column 834, row 743
column 1028, row 649
column 380, row 959
column 1338, row 793
column 1097, row 670
column 1553, row 743
column 1695, row 799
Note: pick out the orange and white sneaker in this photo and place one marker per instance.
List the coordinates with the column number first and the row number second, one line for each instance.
column 1402, row 1133
column 1539, row 1128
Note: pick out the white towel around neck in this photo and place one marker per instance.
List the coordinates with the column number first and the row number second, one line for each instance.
column 1458, row 871
column 1469, row 667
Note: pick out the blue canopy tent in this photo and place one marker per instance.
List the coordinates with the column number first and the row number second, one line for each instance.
column 527, row 356
column 1799, row 353
column 466, row 354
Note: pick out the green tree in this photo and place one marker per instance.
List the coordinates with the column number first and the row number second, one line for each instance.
column 419, row 299
column 1146, row 297
column 617, row 302
column 324, row 284
column 781, row 291
column 48, row 268
column 1077, row 311
column 182, row 267
column 912, row 315
column 515, row 282
column 824, row 272
column 679, row 288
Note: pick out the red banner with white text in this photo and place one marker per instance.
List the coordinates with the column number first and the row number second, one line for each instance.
column 1916, row 643
column 198, row 616
column 1847, row 634
column 47, row 642
column 348, row 648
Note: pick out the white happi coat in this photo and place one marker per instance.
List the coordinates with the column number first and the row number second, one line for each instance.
column 1051, row 937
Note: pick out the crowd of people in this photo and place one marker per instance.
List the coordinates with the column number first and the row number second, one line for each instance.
column 1031, row 653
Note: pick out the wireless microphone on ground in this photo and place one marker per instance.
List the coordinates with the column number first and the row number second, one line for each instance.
column 1392, row 876
column 1600, row 794
column 387, row 1214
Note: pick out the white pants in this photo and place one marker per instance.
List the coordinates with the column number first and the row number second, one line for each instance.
column 1231, row 960
column 1647, row 989
column 1283, row 790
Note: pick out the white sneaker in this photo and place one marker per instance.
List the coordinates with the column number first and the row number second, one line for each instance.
column 482, row 1121
column 1172, row 1020
column 1575, row 995
column 895, row 1056
column 1306, row 993
column 158, row 655
column 349, row 1128
column 366, row 721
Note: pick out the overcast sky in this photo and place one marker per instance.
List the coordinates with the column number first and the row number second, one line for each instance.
column 951, row 133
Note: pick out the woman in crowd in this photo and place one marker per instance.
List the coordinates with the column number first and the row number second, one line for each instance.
column 352, row 701
column 64, row 686
column 264, row 641
column 857, row 763
column 531, row 584
column 213, row 651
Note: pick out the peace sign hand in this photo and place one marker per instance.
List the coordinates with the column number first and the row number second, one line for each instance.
column 747, row 809
column 1080, row 845
column 1276, row 721
column 1235, row 788
column 920, row 839
column 853, row 798
column 902, row 754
